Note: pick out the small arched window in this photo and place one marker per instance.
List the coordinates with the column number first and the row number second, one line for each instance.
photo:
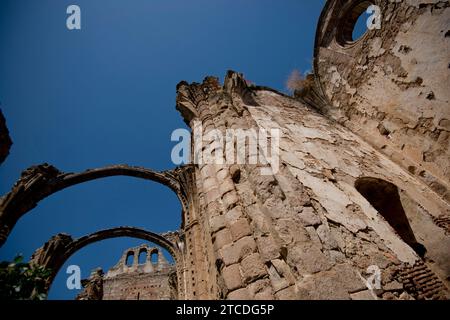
column 353, row 24
column 384, row 197
column 154, row 257
column 142, row 259
column 130, row 259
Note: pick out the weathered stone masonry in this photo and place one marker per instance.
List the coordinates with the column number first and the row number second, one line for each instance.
column 55, row 252
column 363, row 178
column 305, row 232
column 391, row 86
column 146, row 281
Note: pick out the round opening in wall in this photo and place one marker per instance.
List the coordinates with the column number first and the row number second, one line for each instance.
column 360, row 27
column 355, row 22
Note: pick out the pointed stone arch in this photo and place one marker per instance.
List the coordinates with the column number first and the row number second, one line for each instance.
column 55, row 252
column 39, row 182
column 384, row 197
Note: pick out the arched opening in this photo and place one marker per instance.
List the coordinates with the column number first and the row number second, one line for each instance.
column 55, row 260
column 89, row 260
column 142, row 259
column 132, row 188
column 360, row 27
column 45, row 180
column 130, row 259
column 154, row 257
column 385, row 198
column 353, row 24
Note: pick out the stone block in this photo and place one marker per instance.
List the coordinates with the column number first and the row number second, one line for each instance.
column 230, row 199
column 260, row 220
column 393, row 286
column 226, row 186
column 207, row 171
column 234, row 214
column 287, row 294
column 291, row 231
column 252, row 268
column 326, row 237
column 336, row 256
column 276, row 279
column 234, row 252
column 268, row 248
column 222, row 174
column 217, row 223
column 240, row 229
column 232, row 277
column 266, row 294
column 209, row 184
column 363, row 295
column 260, row 287
column 335, row 284
column 222, row 238
column 240, row 294
column 336, row 234
column 309, row 217
column 284, row 270
column 314, row 236
column 308, row 258
column 212, row 195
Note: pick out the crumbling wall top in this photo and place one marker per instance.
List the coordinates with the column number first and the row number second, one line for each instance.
column 130, row 261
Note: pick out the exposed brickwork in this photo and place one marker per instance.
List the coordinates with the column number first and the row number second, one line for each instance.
column 421, row 283
column 443, row 222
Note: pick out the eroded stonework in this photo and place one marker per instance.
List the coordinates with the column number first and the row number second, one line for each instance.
column 150, row 280
column 307, row 232
column 391, row 86
column 55, row 252
column 362, row 185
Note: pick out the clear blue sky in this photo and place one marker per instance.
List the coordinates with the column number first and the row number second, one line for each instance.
column 106, row 95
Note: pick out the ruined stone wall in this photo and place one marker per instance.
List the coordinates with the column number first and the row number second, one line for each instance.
column 92, row 287
column 304, row 231
column 137, row 286
column 391, row 86
column 148, row 281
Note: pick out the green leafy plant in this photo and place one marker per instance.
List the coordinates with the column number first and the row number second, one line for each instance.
column 22, row 281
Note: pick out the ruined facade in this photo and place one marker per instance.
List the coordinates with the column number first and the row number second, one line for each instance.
column 391, row 86
column 92, row 287
column 129, row 280
column 362, row 181
column 147, row 281
column 142, row 273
